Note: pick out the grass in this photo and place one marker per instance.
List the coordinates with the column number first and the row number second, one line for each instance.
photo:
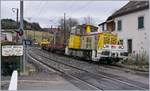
column 38, row 35
column 138, row 61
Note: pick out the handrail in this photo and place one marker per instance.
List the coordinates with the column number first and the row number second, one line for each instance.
column 13, row 81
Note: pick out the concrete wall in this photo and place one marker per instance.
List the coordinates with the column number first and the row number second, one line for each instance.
column 130, row 30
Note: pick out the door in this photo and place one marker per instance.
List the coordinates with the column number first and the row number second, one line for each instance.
column 129, row 45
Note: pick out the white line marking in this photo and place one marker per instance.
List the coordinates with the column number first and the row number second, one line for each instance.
column 13, row 81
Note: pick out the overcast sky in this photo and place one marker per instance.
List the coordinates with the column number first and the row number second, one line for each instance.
column 47, row 13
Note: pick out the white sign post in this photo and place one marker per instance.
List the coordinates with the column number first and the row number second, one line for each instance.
column 12, row 50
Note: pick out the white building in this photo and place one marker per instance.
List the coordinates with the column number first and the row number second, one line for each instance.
column 8, row 35
column 131, row 23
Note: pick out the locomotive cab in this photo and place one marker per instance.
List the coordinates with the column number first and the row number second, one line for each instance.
column 109, row 49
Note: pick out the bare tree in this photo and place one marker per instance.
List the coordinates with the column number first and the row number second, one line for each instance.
column 69, row 23
column 88, row 20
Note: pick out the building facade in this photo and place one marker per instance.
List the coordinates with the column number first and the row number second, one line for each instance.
column 131, row 24
column 8, row 35
column 133, row 30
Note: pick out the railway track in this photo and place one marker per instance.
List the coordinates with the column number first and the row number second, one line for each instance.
column 79, row 73
column 66, row 75
column 102, row 67
column 112, row 66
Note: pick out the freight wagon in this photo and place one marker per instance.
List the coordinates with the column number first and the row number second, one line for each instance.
column 55, row 43
column 86, row 42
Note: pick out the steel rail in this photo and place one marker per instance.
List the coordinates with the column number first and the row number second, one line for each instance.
column 69, row 75
column 129, row 84
column 115, row 66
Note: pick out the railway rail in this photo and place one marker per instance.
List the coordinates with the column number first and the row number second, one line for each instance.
column 112, row 66
column 66, row 75
column 99, row 81
column 101, row 65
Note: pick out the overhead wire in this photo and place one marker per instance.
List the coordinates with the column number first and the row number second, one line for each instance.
column 36, row 14
column 80, row 8
column 32, row 16
column 42, row 9
column 52, row 19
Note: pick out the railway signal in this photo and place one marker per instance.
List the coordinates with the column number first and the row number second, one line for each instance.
column 20, row 32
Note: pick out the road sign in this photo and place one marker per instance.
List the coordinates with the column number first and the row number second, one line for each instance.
column 27, row 41
column 12, row 50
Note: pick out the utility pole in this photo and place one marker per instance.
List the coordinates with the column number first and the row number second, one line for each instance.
column 54, row 35
column 24, row 36
column 34, row 35
column 65, row 28
column 21, row 14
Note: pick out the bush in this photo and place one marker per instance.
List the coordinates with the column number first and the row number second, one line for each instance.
column 138, row 59
column 8, row 43
column 9, row 63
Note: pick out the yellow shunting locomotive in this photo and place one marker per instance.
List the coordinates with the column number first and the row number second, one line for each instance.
column 87, row 42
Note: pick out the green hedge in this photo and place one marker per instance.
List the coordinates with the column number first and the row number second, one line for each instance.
column 10, row 63
column 8, row 43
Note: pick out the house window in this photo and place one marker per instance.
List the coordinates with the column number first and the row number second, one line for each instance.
column 119, row 25
column 129, row 45
column 140, row 22
column 102, row 27
column 121, row 42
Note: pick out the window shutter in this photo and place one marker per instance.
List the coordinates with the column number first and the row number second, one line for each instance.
column 140, row 22
column 119, row 25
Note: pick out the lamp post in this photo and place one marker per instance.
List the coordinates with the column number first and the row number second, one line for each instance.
column 16, row 10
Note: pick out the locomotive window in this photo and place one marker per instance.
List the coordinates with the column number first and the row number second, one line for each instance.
column 113, row 40
column 92, row 30
column 106, row 40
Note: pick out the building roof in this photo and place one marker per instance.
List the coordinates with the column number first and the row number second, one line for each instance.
column 102, row 23
column 130, row 7
column 8, row 30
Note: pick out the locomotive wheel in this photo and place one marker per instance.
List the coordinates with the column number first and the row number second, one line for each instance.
column 117, row 60
column 110, row 61
column 42, row 47
column 52, row 50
